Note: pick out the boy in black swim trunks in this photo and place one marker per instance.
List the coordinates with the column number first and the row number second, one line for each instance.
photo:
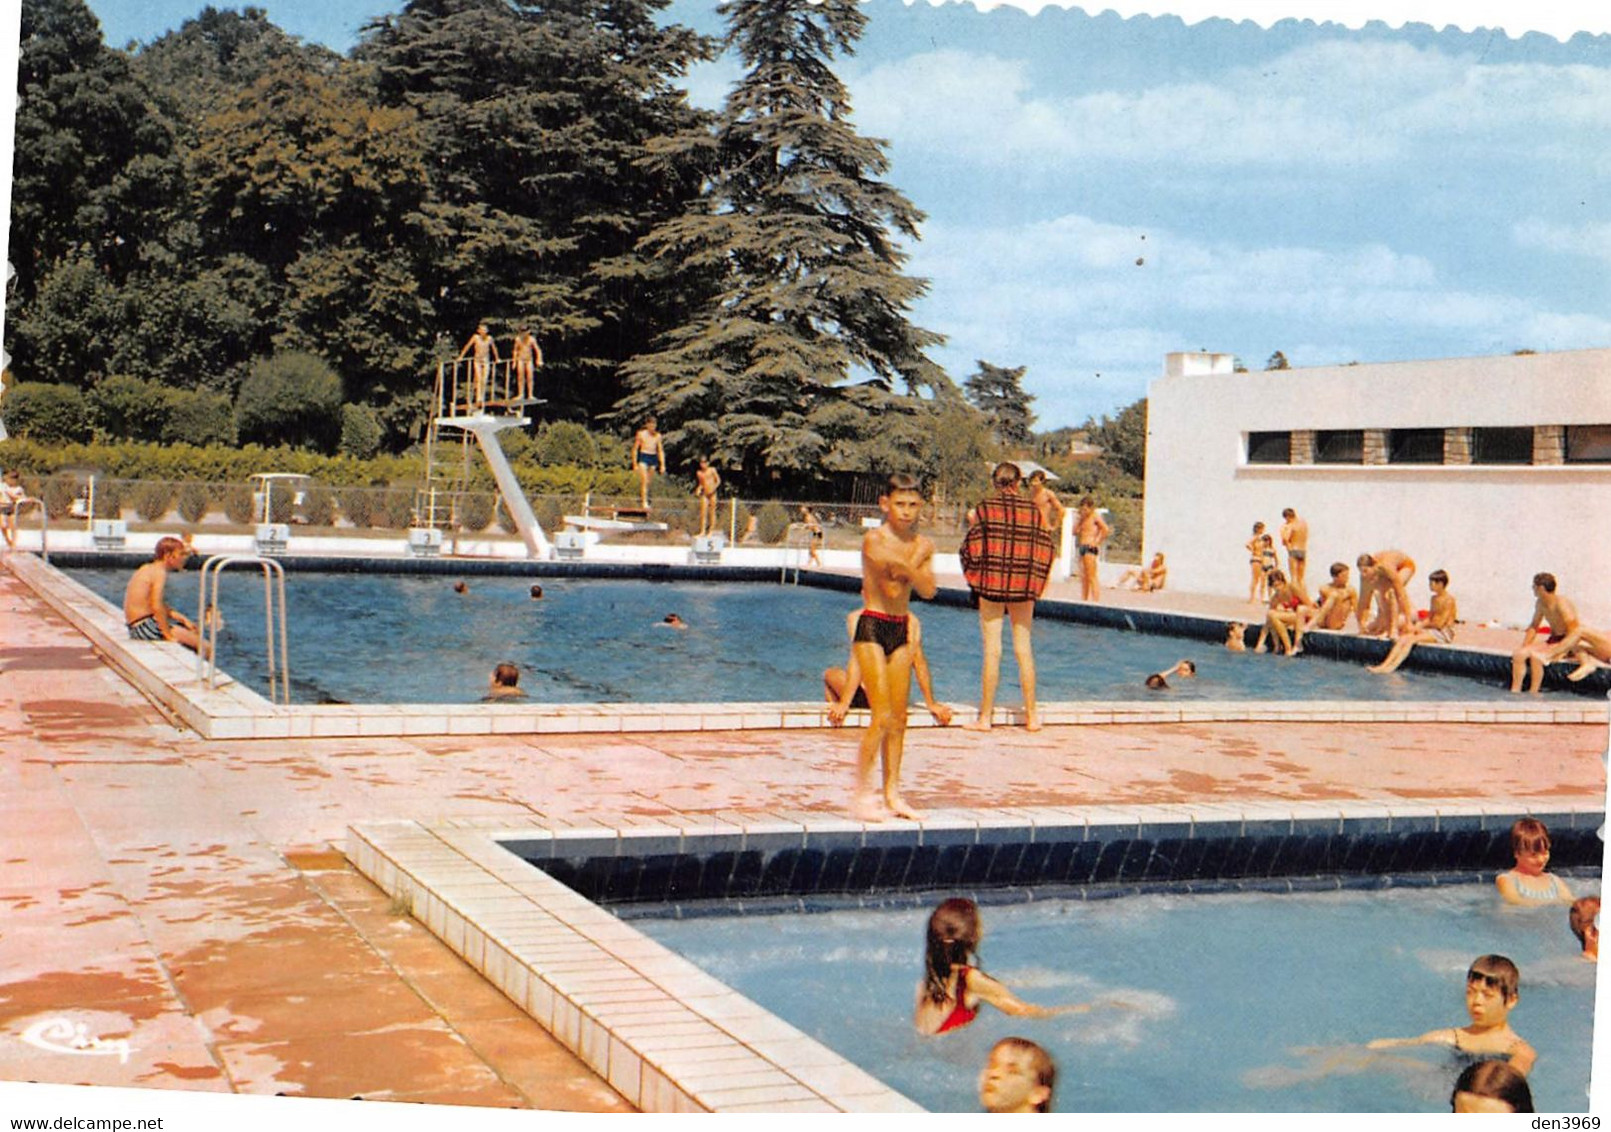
column 895, row 561
column 148, row 616
column 842, row 686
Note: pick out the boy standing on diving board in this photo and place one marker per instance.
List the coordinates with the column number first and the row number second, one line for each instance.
column 895, row 561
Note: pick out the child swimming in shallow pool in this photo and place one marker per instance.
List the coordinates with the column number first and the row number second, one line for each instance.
column 1018, row 1077
column 1491, row 1086
column 1528, row 883
column 953, row 989
column 1493, row 987
column 1583, row 917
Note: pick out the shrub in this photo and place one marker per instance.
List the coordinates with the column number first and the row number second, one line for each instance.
column 59, row 492
column 506, row 521
column 131, row 409
column 566, row 442
column 48, row 413
column 358, row 506
column 153, row 500
column 360, row 431
column 198, row 417
column 238, row 507
column 110, row 495
column 291, row 398
column 550, row 511
column 319, row 509
column 772, row 523
column 195, row 500
column 475, row 510
column 282, row 504
column 394, row 509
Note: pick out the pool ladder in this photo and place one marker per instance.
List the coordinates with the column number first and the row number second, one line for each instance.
column 279, row 673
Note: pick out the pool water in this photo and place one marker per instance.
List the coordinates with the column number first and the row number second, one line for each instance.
column 1245, row 1002
column 385, row 638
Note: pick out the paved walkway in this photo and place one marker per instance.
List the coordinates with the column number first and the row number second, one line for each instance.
column 186, row 894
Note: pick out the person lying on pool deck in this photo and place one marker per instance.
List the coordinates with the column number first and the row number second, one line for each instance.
column 953, row 988
column 1493, row 987
column 1589, row 648
column 842, row 686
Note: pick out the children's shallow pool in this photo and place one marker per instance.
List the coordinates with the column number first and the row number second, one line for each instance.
column 385, row 638
column 1238, row 1002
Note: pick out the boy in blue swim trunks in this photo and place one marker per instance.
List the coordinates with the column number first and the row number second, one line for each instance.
column 147, row 616
column 895, row 561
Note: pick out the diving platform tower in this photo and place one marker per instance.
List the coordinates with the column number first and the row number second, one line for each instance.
column 481, row 402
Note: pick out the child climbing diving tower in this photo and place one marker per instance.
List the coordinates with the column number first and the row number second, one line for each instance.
column 481, row 399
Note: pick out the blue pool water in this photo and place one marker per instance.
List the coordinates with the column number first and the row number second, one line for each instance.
column 1243, row 1002
column 381, row 638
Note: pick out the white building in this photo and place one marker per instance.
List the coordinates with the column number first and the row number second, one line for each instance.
column 1491, row 468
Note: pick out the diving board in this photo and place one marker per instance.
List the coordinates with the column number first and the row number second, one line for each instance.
column 594, row 523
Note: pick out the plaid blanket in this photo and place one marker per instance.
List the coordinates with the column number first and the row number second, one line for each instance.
column 1008, row 551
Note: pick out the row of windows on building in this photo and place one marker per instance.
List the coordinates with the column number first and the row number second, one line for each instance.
column 1533, row 444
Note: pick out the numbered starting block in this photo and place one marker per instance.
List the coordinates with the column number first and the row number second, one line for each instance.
column 707, row 550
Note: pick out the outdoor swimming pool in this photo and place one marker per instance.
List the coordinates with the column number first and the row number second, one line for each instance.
column 1238, row 1002
column 390, row 638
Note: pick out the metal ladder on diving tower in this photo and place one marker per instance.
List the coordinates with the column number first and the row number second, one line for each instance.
column 482, row 409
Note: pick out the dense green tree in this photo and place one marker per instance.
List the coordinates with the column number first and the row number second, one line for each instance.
column 539, row 119
column 1123, row 438
column 93, row 159
column 998, row 392
column 798, row 237
column 1277, row 360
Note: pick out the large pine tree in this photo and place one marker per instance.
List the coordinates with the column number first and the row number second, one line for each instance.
column 538, row 115
column 788, row 368
column 998, row 392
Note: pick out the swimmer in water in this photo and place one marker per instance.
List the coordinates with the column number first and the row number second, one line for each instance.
column 953, row 988
column 1018, row 1077
column 1493, row 987
column 1528, row 883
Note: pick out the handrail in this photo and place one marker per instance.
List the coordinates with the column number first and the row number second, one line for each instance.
column 207, row 656
column 44, row 523
column 459, row 393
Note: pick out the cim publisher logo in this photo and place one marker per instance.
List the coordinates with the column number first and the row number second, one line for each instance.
column 63, row 1035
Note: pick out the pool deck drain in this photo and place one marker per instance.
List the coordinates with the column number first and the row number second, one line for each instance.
column 150, row 886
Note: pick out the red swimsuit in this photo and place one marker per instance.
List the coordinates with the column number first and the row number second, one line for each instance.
column 960, row 1015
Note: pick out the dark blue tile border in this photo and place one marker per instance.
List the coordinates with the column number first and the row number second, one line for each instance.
column 1279, row 856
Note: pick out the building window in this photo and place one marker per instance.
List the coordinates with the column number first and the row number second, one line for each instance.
column 1340, row 446
column 1502, row 446
column 1415, row 446
column 1269, row 448
column 1588, row 444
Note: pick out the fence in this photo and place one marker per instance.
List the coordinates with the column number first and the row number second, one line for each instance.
column 67, row 497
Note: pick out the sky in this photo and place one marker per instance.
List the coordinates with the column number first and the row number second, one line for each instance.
column 1100, row 191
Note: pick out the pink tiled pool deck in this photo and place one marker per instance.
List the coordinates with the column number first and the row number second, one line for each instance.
column 191, row 895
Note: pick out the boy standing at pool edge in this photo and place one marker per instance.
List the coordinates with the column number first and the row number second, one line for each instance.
column 895, row 560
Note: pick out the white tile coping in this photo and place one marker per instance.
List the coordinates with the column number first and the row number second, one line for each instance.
column 166, row 674
column 667, row 1036
column 672, row 1038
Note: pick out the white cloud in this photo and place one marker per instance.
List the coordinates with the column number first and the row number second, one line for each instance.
column 1066, row 299
column 1592, row 240
column 1335, row 105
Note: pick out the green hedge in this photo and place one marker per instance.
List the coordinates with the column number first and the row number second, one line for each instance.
column 177, row 463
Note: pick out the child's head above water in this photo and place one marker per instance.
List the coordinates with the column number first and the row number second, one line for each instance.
column 953, row 939
column 1583, row 918
column 1018, row 1077
column 1529, row 841
column 1491, row 1086
column 1493, row 985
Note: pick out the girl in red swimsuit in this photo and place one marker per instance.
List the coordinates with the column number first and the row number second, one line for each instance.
column 952, row 987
